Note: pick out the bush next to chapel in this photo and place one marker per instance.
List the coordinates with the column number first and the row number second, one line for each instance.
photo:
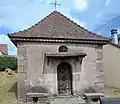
column 8, row 62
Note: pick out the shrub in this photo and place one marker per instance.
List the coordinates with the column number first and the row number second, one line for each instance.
column 8, row 62
column 90, row 90
column 37, row 89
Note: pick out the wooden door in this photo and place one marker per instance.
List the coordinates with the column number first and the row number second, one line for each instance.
column 64, row 79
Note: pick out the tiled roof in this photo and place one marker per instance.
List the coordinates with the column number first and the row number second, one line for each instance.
column 56, row 25
column 4, row 48
column 64, row 54
column 110, row 101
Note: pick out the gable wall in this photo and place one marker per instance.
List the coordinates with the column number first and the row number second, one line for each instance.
column 31, row 64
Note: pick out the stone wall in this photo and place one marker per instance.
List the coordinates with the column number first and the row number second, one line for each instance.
column 33, row 70
column 22, row 75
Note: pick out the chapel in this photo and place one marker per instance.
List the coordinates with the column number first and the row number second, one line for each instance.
column 59, row 56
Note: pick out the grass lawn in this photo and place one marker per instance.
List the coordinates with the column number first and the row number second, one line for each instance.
column 8, row 89
column 112, row 92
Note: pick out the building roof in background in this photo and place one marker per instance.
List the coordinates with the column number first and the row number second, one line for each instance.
column 4, row 49
column 57, row 26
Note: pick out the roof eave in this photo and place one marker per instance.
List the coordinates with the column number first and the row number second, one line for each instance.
column 14, row 42
column 58, row 40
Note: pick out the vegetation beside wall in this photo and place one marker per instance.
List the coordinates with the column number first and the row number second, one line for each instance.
column 8, row 62
column 8, row 88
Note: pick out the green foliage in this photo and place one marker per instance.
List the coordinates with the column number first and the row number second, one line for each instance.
column 8, row 62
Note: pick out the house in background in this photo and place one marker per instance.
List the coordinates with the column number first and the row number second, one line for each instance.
column 3, row 49
column 115, row 36
column 111, row 59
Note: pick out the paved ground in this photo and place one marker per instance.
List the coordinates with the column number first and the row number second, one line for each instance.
column 74, row 100
column 66, row 100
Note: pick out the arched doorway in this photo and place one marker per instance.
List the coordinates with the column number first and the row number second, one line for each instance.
column 64, row 75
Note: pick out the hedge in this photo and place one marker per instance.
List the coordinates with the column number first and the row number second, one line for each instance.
column 8, row 62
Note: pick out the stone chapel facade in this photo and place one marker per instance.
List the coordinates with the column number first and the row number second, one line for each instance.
column 58, row 55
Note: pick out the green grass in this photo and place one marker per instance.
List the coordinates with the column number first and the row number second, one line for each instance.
column 8, row 89
column 112, row 92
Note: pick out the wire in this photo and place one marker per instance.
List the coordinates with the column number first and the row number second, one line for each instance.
column 106, row 23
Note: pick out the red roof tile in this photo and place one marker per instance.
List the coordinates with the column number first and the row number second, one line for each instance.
column 4, row 48
column 56, row 25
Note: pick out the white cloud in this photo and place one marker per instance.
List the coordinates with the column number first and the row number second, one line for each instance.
column 78, row 22
column 19, row 15
column 99, row 15
column 81, row 23
column 81, row 5
column 4, row 39
column 108, row 2
column 118, row 31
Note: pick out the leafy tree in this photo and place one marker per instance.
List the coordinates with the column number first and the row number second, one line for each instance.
column 8, row 62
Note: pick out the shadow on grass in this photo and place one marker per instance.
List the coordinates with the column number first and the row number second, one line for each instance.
column 14, row 89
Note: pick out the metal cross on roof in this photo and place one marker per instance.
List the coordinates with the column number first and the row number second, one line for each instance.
column 55, row 4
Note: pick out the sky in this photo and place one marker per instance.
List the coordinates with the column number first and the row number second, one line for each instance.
column 17, row 15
